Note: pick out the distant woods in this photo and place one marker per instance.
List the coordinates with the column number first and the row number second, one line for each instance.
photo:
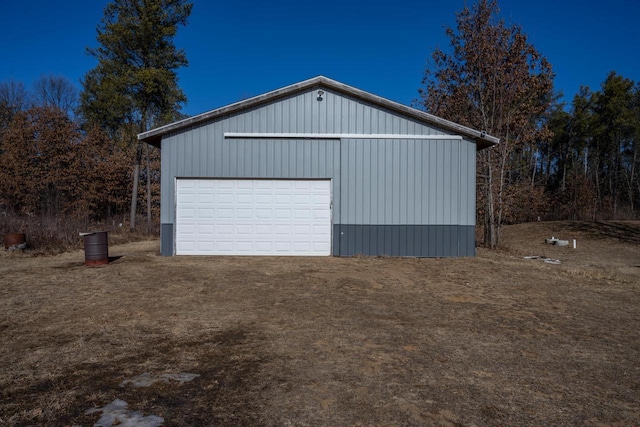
column 578, row 162
column 590, row 167
column 50, row 166
column 73, row 155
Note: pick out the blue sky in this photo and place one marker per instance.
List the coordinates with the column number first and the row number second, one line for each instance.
column 238, row 49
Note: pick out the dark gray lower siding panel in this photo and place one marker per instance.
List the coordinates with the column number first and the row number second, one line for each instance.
column 166, row 239
column 404, row 240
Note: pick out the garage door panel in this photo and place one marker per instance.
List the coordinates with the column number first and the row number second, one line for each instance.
column 205, row 212
column 221, row 184
column 282, row 229
column 321, row 199
column 244, row 246
column 224, row 246
column 224, row 229
column 242, row 199
column 246, row 229
column 283, row 214
column 188, row 228
column 205, row 184
column 318, row 246
column 206, row 245
column 206, row 230
column 206, row 197
column 188, row 198
column 302, row 246
column 302, row 185
column 187, row 246
column 242, row 184
column 224, row 213
column 244, row 213
column 264, row 214
column 186, row 212
column 188, row 184
column 264, row 247
column 283, row 185
column 302, row 199
column 282, row 246
column 301, row 214
column 320, row 230
column 253, row 217
column 264, row 199
column 321, row 214
column 227, row 199
column 283, row 200
column 301, row 231
column 263, row 184
column 263, row 231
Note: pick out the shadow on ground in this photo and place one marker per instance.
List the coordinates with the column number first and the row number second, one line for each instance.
column 626, row 232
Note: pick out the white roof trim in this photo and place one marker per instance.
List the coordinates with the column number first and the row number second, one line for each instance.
column 336, row 136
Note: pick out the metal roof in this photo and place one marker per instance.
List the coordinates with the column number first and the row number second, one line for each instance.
column 154, row 136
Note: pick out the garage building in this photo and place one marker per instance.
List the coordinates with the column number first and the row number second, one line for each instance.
column 318, row 168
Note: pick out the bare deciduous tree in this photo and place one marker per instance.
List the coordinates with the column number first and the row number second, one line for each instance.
column 493, row 80
column 56, row 92
column 14, row 97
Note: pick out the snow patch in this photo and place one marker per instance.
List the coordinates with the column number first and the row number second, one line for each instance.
column 117, row 414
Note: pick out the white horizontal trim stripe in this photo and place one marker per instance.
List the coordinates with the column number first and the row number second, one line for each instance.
column 337, row 136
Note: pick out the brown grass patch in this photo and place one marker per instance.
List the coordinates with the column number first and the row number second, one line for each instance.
column 495, row 340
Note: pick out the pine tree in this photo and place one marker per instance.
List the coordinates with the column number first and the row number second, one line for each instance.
column 134, row 86
column 615, row 138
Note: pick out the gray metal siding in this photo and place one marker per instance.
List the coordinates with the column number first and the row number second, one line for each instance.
column 404, row 240
column 467, row 162
column 396, row 197
column 334, row 114
column 414, row 182
column 202, row 151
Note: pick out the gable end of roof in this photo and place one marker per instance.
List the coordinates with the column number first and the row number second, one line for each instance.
column 154, row 136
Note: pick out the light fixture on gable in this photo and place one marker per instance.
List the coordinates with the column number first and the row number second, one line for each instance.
column 320, row 95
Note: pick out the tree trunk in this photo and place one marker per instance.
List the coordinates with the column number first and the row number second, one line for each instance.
column 586, row 161
column 489, row 231
column 534, row 170
column 504, row 156
column 134, row 190
column 564, row 173
column 146, row 148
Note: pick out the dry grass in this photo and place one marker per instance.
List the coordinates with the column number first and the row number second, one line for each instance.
column 495, row 340
column 55, row 235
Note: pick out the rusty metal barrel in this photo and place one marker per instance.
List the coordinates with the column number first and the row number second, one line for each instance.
column 96, row 248
column 13, row 241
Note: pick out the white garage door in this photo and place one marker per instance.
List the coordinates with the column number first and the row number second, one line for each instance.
column 253, row 217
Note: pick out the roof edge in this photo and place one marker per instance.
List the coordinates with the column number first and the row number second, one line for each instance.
column 483, row 140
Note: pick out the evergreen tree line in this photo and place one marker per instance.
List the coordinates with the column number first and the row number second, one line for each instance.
column 590, row 167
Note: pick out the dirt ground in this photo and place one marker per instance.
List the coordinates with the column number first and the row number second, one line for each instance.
column 494, row 340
